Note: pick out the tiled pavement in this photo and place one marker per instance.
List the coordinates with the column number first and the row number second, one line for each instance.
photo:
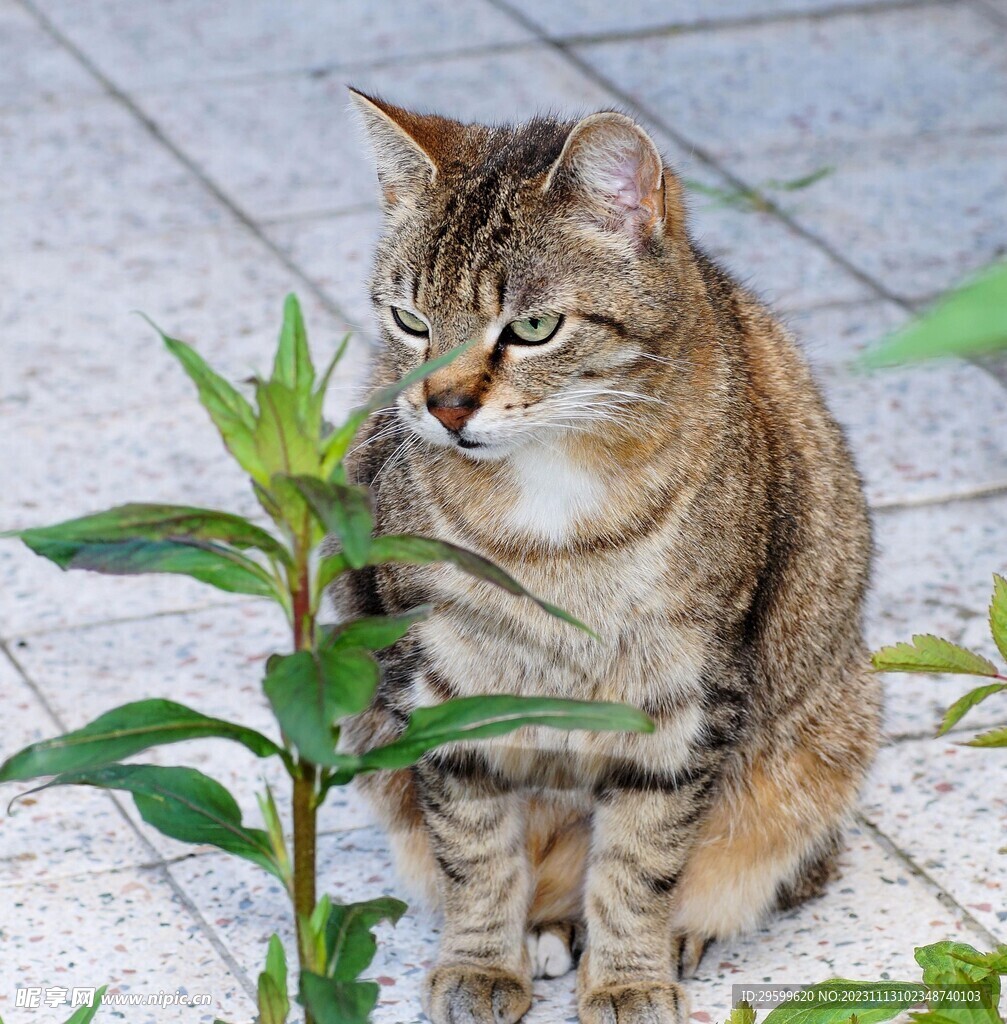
column 197, row 161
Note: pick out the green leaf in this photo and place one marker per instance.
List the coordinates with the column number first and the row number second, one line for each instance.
column 954, row 713
column 940, row 958
column 311, row 690
column 805, row 181
column 990, row 963
column 292, row 365
column 85, row 1014
column 273, row 1004
column 968, row 321
column 338, row 442
column 161, row 522
column 885, row 1000
column 220, row 567
column 282, row 438
column 424, row 550
column 337, row 1002
column 277, row 841
column 344, row 511
column 998, row 613
column 993, row 738
column 314, row 414
column 329, row 568
column 231, row 412
column 350, row 943
column 182, row 803
column 742, row 1014
column 125, row 731
column 375, row 632
column 274, row 1000
column 929, row 653
column 471, row 718
column 276, row 962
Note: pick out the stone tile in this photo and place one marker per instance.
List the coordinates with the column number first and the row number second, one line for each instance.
column 86, row 353
column 138, row 45
column 90, row 174
column 889, row 909
column 771, row 259
column 127, row 930
column 211, row 661
column 934, row 574
column 60, row 832
column 918, row 217
column 913, row 437
column 799, row 84
column 336, row 252
column 291, row 146
column 34, row 69
column 590, row 17
column 945, row 806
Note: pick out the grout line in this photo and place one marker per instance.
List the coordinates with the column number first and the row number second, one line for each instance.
column 936, row 890
column 77, row 627
column 975, row 493
column 186, row 161
column 701, row 24
column 988, row 8
column 158, row 862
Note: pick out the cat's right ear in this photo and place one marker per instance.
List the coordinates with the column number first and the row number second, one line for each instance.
column 407, row 146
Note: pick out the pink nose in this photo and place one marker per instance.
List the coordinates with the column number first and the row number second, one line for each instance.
column 451, row 409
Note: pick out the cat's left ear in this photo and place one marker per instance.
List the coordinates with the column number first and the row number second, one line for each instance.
column 408, row 147
column 617, row 174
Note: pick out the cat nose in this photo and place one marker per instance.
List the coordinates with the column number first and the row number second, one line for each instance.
column 451, row 409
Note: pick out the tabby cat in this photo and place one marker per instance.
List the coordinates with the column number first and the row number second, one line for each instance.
column 635, row 437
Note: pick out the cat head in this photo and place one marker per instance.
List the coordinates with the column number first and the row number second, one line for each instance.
column 554, row 247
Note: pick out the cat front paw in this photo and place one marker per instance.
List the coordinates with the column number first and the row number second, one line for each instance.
column 460, row 994
column 645, row 1002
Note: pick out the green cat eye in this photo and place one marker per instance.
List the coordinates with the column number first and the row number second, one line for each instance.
column 410, row 322
column 534, row 330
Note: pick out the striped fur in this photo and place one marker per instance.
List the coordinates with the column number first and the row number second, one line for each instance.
column 665, row 470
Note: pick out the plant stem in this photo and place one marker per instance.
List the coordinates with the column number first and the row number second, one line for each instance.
column 305, row 828
column 305, row 783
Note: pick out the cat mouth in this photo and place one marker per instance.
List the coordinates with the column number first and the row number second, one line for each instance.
column 463, row 443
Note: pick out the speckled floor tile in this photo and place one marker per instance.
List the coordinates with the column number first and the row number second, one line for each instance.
column 61, row 832
column 336, row 252
column 590, row 17
column 795, row 84
column 211, row 661
column 768, row 257
column 918, row 217
column 911, row 434
column 934, row 574
column 865, row 927
column 128, row 930
column 196, row 41
column 221, row 290
column 34, row 69
column 90, row 174
column 946, row 806
column 289, row 146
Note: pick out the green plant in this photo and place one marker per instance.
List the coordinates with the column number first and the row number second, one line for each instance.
column 969, row 321
column 296, row 467
column 926, row 653
column 754, row 199
column 959, row 985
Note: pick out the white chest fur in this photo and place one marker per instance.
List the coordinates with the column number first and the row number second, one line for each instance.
column 554, row 493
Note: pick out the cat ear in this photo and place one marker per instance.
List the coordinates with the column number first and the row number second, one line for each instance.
column 407, row 146
column 615, row 170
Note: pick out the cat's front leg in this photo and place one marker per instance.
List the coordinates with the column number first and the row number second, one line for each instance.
column 477, row 830
column 642, row 838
